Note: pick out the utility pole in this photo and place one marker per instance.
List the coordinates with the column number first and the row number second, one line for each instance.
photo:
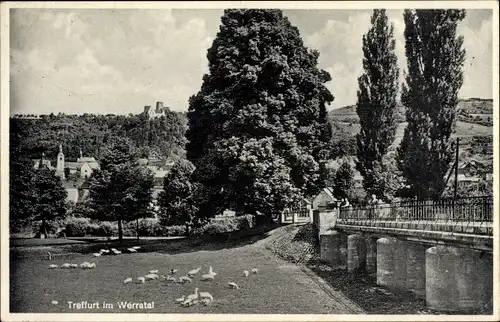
column 456, row 177
column 456, row 169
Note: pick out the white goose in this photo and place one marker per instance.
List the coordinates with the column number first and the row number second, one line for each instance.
column 233, row 285
column 209, row 276
column 184, row 279
column 128, row 280
column 205, row 301
column 84, row 264
column 153, row 271
column 206, row 295
column 149, row 277
column 255, row 270
column 66, row 265
column 53, row 266
column 193, row 296
column 174, row 270
column 180, row 299
column 194, row 271
column 246, row 273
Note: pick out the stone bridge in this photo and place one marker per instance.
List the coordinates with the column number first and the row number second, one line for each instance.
column 448, row 259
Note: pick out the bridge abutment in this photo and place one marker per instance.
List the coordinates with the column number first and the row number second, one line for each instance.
column 458, row 279
column 415, row 267
column 371, row 255
column 356, row 253
column 391, row 263
column 330, row 248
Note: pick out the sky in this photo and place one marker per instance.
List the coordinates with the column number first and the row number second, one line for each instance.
column 104, row 61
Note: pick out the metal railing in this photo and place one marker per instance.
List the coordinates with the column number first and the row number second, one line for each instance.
column 462, row 213
column 302, row 214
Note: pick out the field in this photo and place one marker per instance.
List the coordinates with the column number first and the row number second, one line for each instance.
column 279, row 287
column 462, row 129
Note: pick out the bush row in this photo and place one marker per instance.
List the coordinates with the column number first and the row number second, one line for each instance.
column 147, row 227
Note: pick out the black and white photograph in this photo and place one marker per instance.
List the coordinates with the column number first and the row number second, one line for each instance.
column 320, row 160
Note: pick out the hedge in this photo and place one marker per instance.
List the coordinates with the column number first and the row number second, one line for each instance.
column 148, row 227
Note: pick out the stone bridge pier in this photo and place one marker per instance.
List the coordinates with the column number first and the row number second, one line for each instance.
column 450, row 278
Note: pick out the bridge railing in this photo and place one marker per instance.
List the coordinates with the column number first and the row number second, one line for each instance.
column 473, row 209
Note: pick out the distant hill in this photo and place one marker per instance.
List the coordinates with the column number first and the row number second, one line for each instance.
column 467, row 106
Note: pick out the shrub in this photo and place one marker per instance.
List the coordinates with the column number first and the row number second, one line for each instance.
column 77, row 227
column 174, row 230
column 150, row 227
column 226, row 225
column 52, row 226
column 102, row 229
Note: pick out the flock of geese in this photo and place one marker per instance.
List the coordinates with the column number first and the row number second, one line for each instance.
column 87, row 265
column 186, row 300
column 197, row 296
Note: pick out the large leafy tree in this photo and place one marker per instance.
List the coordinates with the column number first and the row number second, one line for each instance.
column 21, row 193
column 435, row 60
column 34, row 194
column 179, row 199
column 258, row 127
column 48, row 196
column 377, row 106
column 344, row 180
column 120, row 190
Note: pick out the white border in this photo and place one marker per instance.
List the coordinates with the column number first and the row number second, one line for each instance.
column 4, row 161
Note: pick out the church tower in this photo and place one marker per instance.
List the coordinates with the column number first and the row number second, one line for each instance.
column 60, row 163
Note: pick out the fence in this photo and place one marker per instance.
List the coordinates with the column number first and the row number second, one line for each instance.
column 299, row 213
column 473, row 209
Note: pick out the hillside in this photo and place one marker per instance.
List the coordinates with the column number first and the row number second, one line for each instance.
column 475, row 118
column 89, row 134
column 470, row 106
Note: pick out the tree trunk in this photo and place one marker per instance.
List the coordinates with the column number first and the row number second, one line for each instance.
column 120, row 230
column 137, row 227
column 44, row 228
column 187, row 230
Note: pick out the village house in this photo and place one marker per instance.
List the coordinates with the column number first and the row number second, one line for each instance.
column 77, row 188
column 45, row 163
column 159, row 168
column 324, row 198
column 83, row 167
column 464, row 180
column 471, row 168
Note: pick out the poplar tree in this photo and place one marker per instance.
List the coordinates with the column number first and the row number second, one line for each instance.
column 258, row 126
column 435, row 61
column 377, row 101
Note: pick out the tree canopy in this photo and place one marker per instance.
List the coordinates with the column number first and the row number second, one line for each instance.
column 121, row 190
column 377, row 101
column 430, row 94
column 178, row 201
column 258, row 126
